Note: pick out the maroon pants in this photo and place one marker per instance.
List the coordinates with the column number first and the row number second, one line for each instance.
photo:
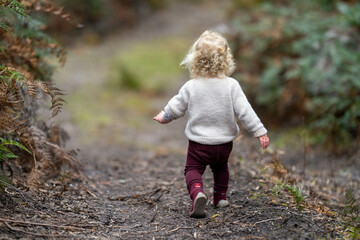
column 199, row 156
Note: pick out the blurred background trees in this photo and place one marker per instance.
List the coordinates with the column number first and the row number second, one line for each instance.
column 97, row 18
column 300, row 61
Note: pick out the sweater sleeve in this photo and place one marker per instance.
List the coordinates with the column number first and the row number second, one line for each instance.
column 245, row 113
column 177, row 106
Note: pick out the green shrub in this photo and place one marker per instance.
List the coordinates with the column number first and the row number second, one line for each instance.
column 301, row 60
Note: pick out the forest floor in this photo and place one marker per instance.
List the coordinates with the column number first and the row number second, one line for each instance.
column 132, row 184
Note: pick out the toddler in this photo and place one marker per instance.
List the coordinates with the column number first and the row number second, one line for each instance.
column 212, row 101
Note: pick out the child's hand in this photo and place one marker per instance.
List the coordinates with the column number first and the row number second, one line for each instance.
column 264, row 141
column 160, row 118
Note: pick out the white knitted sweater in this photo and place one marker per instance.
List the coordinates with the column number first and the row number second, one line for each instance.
column 212, row 106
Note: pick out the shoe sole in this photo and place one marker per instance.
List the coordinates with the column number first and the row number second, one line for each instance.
column 222, row 204
column 199, row 206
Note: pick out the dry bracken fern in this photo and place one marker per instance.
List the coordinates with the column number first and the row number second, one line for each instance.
column 25, row 77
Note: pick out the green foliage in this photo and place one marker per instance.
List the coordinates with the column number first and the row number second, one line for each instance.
column 303, row 58
column 10, row 74
column 5, row 152
column 298, row 196
column 350, row 15
column 9, row 12
column 278, row 186
column 12, row 9
column 352, row 214
column 296, row 193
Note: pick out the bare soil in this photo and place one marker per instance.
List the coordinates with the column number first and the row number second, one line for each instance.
column 136, row 189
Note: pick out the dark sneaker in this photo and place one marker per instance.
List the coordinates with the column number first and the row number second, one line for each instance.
column 198, row 208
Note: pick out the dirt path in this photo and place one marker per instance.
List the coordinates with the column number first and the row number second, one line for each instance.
column 133, row 188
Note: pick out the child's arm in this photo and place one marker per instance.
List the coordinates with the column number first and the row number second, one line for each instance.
column 176, row 107
column 248, row 117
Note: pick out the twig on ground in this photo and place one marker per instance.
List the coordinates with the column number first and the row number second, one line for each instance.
column 153, row 217
column 138, row 233
column 155, row 192
column 126, row 229
column 161, row 194
column 268, row 220
column 77, row 227
column 175, row 229
column 33, row 234
column 255, row 237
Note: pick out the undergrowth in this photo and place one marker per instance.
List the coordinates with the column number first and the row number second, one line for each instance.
column 346, row 217
column 5, row 152
column 351, row 215
column 300, row 60
column 25, row 78
column 297, row 195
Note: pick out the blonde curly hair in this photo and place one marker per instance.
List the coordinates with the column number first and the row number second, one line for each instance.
column 209, row 56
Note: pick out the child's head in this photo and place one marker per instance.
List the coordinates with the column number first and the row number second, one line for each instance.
column 209, row 56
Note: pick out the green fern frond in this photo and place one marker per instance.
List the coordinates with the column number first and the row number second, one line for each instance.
column 7, row 155
column 17, row 7
column 6, row 27
column 7, row 75
column 14, row 143
column 6, row 12
column 2, row 48
column 4, row 149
